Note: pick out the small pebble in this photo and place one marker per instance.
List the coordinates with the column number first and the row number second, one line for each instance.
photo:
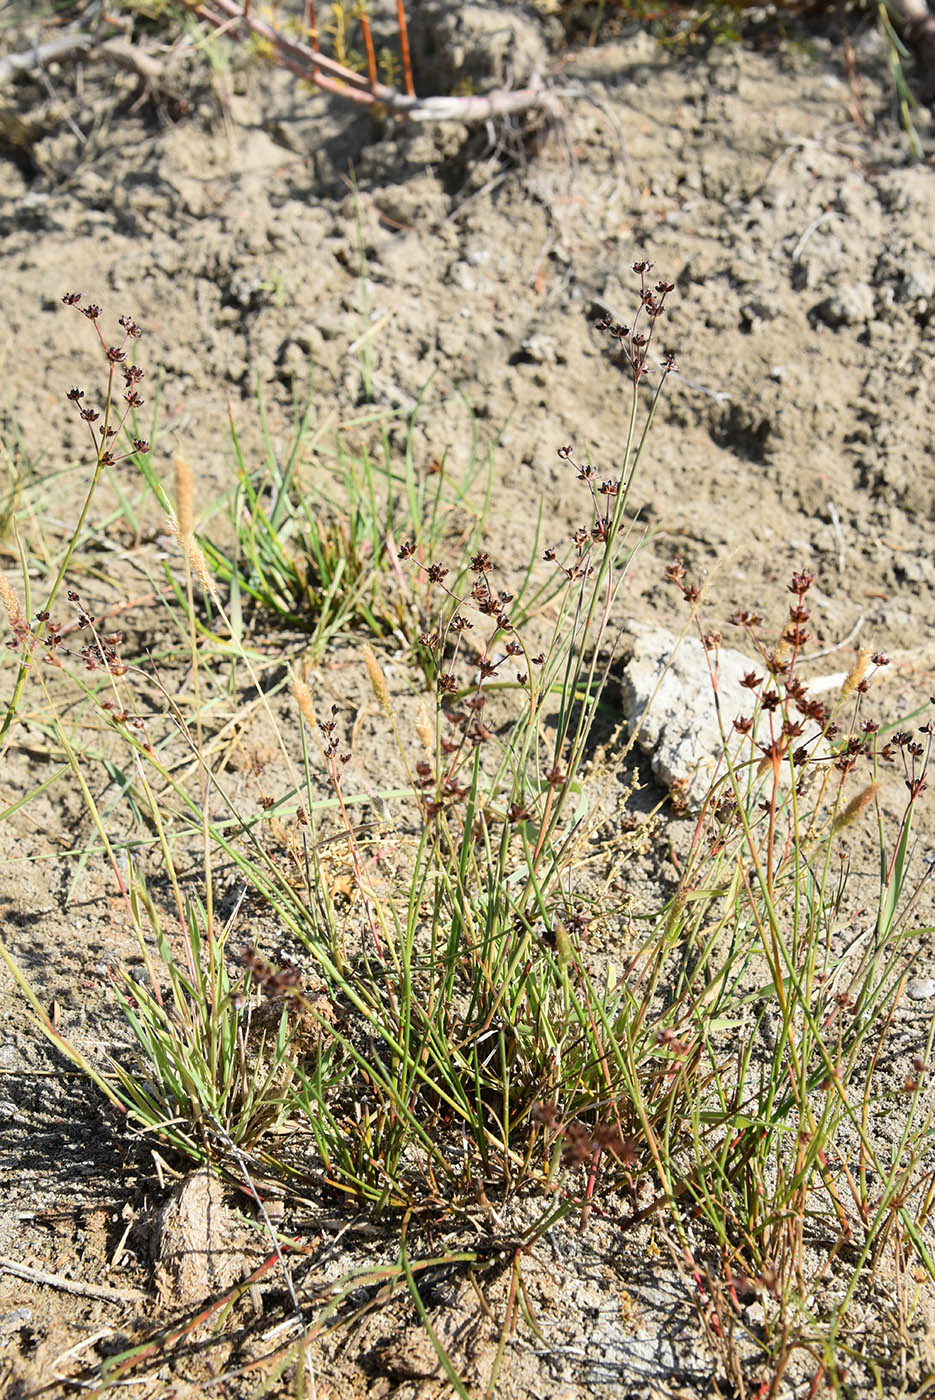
column 920, row 988
column 15, row 1319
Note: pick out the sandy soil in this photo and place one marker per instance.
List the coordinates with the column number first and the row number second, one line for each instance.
column 266, row 237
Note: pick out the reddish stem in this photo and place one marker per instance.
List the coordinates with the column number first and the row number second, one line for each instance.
column 311, row 24
column 404, row 47
column 368, row 45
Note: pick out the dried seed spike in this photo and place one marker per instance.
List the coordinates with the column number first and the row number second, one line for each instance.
column 14, row 611
column 194, row 558
column 199, row 566
column 184, row 493
column 855, row 808
column 377, row 681
column 857, row 672
column 563, row 945
column 182, row 526
column 303, row 698
column 425, row 730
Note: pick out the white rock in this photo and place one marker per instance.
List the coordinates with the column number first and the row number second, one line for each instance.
column 668, row 692
column 850, row 305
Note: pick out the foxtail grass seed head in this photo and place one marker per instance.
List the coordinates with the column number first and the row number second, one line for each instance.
column 425, row 730
column 857, row 673
column 303, row 698
column 563, row 945
column 377, row 681
column 15, row 614
column 199, row 565
column 855, row 808
column 676, row 915
column 182, row 525
column 184, row 491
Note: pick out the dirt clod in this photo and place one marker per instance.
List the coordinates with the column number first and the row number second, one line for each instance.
column 195, row 1247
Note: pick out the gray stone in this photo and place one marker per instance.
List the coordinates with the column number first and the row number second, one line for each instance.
column 759, row 310
column 668, row 692
column 851, row 305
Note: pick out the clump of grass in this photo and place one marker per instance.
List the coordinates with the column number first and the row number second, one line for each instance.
column 307, row 559
column 459, row 988
column 442, row 1037
column 783, row 1003
column 319, row 558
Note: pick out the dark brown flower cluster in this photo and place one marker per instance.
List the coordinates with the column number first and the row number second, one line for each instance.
column 275, row 982
column 788, row 693
column 462, row 701
column 132, row 375
column 586, row 536
column 633, row 341
column 913, row 1080
column 667, row 1040
column 467, row 724
column 487, row 602
column 437, row 796
column 330, row 744
column 676, row 573
column 582, row 1145
column 99, row 652
column 634, row 344
column 915, row 756
column 555, row 935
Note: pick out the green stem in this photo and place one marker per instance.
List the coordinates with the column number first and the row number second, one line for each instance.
column 25, row 660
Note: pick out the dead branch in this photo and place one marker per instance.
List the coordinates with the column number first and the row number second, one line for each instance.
column 307, row 62
column 65, row 46
column 72, row 1285
column 135, row 60
column 79, row 44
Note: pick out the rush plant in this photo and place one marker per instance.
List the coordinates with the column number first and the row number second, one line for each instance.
column 411, row 1019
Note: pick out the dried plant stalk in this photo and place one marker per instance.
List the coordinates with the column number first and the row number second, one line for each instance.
column 307, row 62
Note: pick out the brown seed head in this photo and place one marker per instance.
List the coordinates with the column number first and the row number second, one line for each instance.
column 303, row 698
column 857, row 672
column 14, row 612
column 855, row 808
column 377, row 681
column 184, row 492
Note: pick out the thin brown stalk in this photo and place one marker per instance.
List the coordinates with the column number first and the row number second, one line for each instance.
column 404, row 47
column 311, row 25
column 368, row 46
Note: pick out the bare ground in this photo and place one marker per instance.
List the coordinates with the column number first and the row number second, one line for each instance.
column 263, row 235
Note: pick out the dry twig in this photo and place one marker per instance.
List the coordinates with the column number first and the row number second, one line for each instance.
column 306, row 61
column 72, row 1285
